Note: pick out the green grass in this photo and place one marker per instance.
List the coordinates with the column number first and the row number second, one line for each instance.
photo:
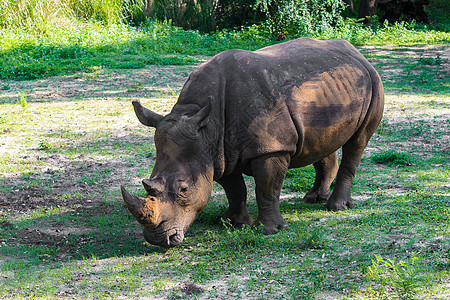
column 392, row 158
column 411, row 69
column 85, row 47
column 64, row 230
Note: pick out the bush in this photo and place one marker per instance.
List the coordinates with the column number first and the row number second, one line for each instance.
column 188, row 14
column 391, row 158
column 293, row 18
column 207, row 15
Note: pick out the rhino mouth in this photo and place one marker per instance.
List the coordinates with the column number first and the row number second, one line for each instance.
column 166, row 239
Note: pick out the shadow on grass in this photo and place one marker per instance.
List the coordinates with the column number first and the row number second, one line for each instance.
column 154, row 82
column 73, row 210
column 411, row 70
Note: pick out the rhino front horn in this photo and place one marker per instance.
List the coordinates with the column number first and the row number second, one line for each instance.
column 140, row 208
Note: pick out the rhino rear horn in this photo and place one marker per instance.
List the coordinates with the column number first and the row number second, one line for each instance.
column 146, row 116
column 201, row 117
column 153, row 187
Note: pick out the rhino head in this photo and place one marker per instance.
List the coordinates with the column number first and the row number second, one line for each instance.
column 181, row 181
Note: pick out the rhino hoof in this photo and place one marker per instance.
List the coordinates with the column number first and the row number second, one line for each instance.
column 238, row 220
column 272, row 228
column 314, row 197
column 336, row 206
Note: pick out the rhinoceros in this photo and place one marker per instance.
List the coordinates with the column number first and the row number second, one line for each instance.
column 259, row 113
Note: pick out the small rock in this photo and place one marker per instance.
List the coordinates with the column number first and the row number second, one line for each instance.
column 192, row 288
column 6, row 225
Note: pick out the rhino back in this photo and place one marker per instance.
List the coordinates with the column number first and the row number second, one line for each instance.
column 305, row 97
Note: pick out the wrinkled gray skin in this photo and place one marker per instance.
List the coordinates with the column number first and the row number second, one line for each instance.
column 259, row 113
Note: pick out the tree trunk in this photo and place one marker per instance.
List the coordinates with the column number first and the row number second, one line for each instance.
column 350, row 3
column 367, row 9
column 149, row 6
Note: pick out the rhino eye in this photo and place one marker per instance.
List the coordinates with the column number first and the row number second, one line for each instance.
column 153, row 192
column 183, row 187
column 183, row 192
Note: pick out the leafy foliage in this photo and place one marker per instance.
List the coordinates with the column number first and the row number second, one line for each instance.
column 188, row 14
column 293, row 17
column 402, row 276
column 392, row 158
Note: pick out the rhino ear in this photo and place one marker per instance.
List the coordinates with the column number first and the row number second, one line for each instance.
column 146, row 116
column 201, row 117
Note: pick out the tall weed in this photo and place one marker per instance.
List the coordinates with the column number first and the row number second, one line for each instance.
column 39, row 16
column 401, row 277
column 107, row 11
column 42, row 16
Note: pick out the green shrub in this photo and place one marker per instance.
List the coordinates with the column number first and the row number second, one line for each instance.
column 23, row 100
column 392, row 158
column 402, row 276
column 189, row 14
column 294, row 18
column 438, row 15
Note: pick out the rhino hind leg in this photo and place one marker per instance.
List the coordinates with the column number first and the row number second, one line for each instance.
column 341, row 199
column 352, row 152
column 269, row 173
column 236, row 191
column 326, row 170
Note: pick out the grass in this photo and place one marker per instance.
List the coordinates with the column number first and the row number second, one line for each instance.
column 65, row 233
column 86, row 47
column 391, row 158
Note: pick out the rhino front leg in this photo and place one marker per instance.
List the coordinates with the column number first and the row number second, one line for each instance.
column 326, row 170
column 236, row 191
column 269, row 173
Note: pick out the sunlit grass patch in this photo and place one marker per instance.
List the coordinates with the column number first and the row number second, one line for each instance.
column 300, row 180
